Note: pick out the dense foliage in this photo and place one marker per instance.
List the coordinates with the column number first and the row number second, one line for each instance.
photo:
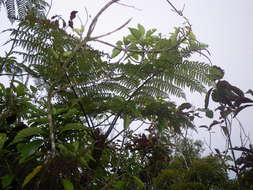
column 75, row 117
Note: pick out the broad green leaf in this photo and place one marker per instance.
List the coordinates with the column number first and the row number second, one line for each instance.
column 67, row 184
column 30, row 148
column 6, row 180
column 27, row 132
column 126, row 41
column 119, row 43
column 141, row 29
column 150, row 32
column 63, row 149
column 115, row 52
column 72, row 127
column 31, row 175
column 35, row 122
column 136, row 33
column 139, row 182
column 3, row 138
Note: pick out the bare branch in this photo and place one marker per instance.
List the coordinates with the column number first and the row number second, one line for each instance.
column 130, row 6
column 180, row 13
column 109, row 33
column 94, row 21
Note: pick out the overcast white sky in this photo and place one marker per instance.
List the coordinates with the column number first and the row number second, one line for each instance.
column 225, row 25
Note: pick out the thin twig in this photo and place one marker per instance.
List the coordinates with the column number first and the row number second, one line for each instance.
column 109, row 33
column 180, row 13
column 120, row 112
column 49, row 9
column 94, row 21
column 130, row 6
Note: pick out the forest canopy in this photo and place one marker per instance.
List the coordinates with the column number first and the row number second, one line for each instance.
column 75, row 117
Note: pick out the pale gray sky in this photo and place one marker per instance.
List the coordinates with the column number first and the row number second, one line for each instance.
column 225, row 25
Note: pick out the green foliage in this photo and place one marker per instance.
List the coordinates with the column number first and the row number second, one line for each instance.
column 28, row 132
column 67, row 184
column 67, row 116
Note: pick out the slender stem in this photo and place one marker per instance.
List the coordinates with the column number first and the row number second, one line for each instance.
column 94, row 21
column 51, row 123
column 120, row 112
column 231, row 147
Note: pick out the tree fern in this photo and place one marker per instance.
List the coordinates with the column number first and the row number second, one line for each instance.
column 153, row 67
column 18, row 9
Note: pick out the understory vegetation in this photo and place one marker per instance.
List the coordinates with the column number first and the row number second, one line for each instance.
column 75, row 117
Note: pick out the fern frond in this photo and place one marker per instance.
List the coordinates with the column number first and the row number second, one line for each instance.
column 11, row 11
column 18, row 9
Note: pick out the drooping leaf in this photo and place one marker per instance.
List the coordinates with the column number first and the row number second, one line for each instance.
column 184, row 106
column 217, row 151
column 67, row 184
column 225, row 130
column 31, row 175
column 215, row 122
column 139, row 182
column 203, row 126
column 238, row 110
column 207, row 98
